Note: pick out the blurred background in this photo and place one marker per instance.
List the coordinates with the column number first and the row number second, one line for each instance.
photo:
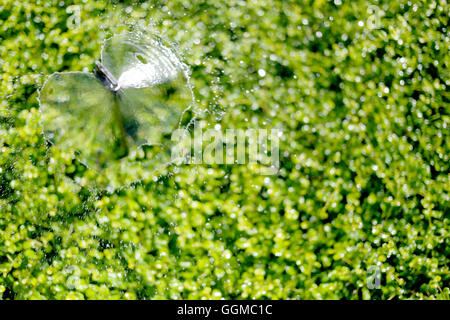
column 360, row 90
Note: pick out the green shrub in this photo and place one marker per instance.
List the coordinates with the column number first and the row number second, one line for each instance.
column 364, row 177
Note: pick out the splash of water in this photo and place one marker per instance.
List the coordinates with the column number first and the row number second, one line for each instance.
column 84, row 117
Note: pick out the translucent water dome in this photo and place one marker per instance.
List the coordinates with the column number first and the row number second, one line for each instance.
column 124, row 113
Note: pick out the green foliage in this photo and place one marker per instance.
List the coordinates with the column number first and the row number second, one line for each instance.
column 364, row 177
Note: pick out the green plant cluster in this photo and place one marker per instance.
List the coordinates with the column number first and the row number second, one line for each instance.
column 360, row 89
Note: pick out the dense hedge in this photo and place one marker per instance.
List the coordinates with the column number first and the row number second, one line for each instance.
column 361, row 92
